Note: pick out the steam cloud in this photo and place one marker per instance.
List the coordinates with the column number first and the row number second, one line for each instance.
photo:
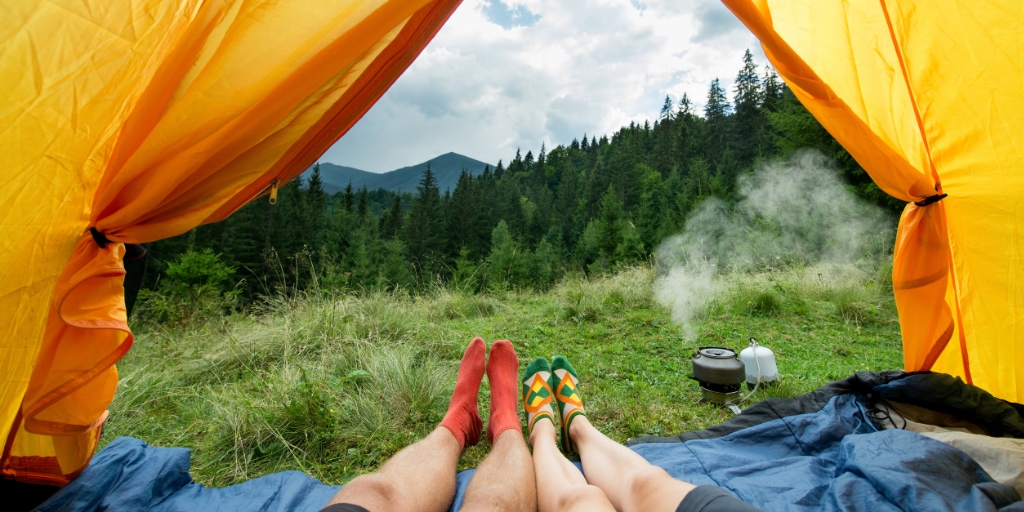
column 789, row 211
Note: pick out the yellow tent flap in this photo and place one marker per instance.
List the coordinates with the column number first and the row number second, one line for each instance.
column 128, row 122
column 927, row 98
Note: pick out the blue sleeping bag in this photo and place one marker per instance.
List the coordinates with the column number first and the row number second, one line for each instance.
column 823, row 451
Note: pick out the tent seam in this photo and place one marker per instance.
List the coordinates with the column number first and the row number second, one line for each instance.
column 913, row 99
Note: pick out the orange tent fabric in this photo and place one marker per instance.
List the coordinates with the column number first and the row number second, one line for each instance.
column 927, row 98
column 142, row 120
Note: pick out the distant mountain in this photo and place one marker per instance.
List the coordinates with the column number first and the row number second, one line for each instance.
column 336, row 177
column 446, row 169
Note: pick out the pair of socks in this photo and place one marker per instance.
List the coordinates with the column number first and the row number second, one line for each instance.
column 545, row 385
column 463, row 417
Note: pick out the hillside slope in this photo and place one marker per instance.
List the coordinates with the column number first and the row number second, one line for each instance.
column 336, row 177
column 334, row 384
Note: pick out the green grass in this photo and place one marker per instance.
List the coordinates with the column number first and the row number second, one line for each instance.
column 334, row 385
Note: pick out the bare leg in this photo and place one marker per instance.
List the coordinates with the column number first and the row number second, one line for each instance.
column 630, row 482
column 505, row 480
column 560, row 486
column 420, row 477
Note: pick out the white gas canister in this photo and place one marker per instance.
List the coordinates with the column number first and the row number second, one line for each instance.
column 758, row 359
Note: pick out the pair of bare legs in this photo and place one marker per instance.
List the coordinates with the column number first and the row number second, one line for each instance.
column 617, row 478
column 422, row 477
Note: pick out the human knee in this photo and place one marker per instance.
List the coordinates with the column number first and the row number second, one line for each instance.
column 581, row 497
column 376, row 489
column 645, row 481
column 491, row 498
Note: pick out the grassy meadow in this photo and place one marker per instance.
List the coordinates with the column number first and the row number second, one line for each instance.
column 333, row 385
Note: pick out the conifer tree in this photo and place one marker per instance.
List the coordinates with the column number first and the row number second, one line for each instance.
column 748, row 120
column 364, row 253
column 630, row 248
column 541, row 217
column 596, row 182
column 675, row 201
column 289, row 234
column 685, row 107
column 348, row 199
column 609, row 228
column 594, row 203
column 516, row 165
column 501, row 262
column 339, row 234
column 510, row 205
column 391, row 222
column 588, row 249
column 684, row 144
column 716, row 113
column 465, row 220
column 316, row 202
column 566, row 203
column 469, row 273
column 540, row 172
column 363, row 208
column 772, row 90
column 545, row 263
column 666, row 110
column 508, row 265
column 244, row 243
column 726, row 171
column 424, row 230
column 650, row 212
column 396, row 272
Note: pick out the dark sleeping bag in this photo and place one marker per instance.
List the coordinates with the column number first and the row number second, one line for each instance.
column 821, row 451
column 827, row 451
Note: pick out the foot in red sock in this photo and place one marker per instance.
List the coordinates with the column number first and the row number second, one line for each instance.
column 503, row 374
column 463, row 418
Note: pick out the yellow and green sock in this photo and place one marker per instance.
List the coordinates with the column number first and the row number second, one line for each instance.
column 537, row 394
column 565, row 384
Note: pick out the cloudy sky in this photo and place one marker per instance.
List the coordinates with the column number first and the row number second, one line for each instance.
column 507, row 74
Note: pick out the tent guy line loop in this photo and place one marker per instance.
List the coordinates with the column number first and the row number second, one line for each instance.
column 931, row 199
column 100, row 238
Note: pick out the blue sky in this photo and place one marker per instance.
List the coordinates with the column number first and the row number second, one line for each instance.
column 502, row 75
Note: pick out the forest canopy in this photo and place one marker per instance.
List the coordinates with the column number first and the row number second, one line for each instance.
column 589, row 206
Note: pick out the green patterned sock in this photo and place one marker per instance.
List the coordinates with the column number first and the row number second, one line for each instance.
column 537, row 395
column 565, row 384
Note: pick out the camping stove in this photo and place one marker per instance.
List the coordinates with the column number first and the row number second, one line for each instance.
column 720, row 374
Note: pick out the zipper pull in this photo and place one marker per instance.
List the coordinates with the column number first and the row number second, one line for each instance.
column 273, row 191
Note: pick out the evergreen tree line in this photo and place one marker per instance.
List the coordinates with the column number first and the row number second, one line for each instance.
column 588, row 206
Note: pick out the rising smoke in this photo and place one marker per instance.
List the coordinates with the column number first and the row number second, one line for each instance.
column 794, row 212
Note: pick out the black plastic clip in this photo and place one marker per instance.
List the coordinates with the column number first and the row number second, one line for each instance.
column 99, row 237
column 931, row 199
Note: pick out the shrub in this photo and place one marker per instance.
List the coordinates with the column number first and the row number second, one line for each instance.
column 193, row 289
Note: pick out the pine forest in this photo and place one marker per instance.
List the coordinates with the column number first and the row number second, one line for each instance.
column 591, row 206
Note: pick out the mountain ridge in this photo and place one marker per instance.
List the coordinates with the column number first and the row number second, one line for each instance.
column 446, row 169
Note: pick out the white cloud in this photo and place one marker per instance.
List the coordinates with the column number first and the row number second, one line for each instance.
column 527, row 72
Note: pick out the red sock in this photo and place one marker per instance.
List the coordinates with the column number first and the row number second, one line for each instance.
column 463, row 418
column 503, row 374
